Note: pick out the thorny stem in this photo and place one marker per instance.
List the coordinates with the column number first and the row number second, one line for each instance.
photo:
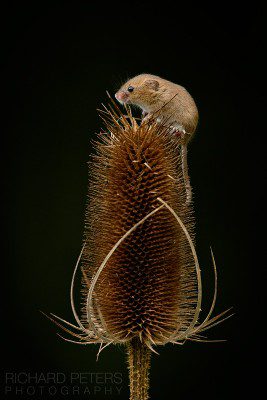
column 138, row 363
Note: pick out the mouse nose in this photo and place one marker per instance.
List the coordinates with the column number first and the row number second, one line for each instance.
column 121, row 96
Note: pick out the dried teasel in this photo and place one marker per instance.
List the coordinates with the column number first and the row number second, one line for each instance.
column 141, row 275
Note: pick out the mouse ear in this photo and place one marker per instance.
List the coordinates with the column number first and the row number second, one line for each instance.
column 153, row 84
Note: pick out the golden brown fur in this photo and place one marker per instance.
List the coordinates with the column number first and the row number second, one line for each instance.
column 171, row 102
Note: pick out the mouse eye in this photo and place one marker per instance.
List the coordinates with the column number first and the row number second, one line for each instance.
column 130, row 89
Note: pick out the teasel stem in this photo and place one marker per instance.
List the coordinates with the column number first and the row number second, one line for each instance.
column 139, row 356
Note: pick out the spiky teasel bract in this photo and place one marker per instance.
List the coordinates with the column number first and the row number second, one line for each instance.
column 141, row 277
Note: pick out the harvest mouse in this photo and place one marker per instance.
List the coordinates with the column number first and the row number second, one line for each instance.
column 169, row 103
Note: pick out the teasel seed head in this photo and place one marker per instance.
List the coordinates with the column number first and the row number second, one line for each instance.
column 148, row 287
column 140, row 272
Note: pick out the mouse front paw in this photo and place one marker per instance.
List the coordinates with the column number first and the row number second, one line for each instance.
column 144, row 114
column 178, row 131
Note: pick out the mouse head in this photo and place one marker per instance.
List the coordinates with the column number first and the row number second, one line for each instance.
column 140, row 90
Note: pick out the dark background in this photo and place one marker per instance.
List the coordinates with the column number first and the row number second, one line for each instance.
column 58, row 61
